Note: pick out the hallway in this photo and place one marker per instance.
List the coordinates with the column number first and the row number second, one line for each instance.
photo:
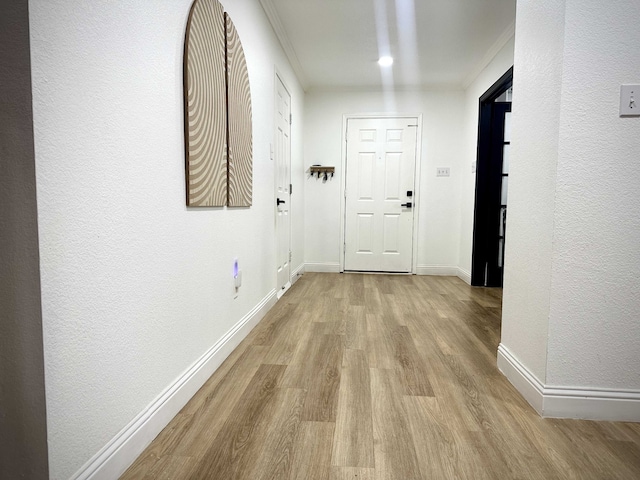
column 378, row 377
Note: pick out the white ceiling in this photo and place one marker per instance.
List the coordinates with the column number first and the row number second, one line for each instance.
column 334, row 44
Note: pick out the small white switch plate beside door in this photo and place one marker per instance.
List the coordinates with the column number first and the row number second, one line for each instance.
column 630, row 100
column 443, row 172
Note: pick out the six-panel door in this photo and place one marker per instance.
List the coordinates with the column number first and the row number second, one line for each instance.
column 380, row 170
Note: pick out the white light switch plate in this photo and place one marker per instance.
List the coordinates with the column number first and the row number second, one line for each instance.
column 630, row 100
column 443, row 172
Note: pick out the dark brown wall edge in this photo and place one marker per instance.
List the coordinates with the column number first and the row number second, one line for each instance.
column 23, row 422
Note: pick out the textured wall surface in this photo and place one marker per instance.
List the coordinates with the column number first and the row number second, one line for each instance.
column 502, row 62
column 23, row 428
column 135, row 286
column 532, row 181
column 570, row 305
column 594, row 328
column 439, row 221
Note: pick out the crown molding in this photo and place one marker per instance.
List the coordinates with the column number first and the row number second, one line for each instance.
column 502, row 40
column 287, row 46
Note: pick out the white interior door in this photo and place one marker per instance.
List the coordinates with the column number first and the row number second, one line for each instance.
column 380, row 192
column 282, row 153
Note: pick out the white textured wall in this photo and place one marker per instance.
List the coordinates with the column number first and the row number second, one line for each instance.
column 441, row 139
column 135, row 286
column 594, row 328
column 498, row 66
column 570, row 308
column 532, row 181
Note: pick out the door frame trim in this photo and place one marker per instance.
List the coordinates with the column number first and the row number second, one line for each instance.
column 416, row 192
column 481, row 221
column 278, row 77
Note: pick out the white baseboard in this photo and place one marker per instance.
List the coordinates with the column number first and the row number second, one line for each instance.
column 443, row 270
column 115, row 457
column 322, row 267
column 297, row 273
column 525, row 382
column 464, row 275
column 570, row 402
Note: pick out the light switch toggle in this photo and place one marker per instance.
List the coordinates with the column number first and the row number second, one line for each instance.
column 629, row 98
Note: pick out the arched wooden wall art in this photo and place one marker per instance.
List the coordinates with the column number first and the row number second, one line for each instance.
column 217, row 105
column 240, row 156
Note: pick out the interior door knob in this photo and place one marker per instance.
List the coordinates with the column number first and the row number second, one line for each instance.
column 408, row 204
column 278, row 202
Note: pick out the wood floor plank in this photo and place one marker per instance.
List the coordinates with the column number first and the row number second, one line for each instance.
column 284, row 345
column 275, row 458
column 323, row 381
column 213, row 407
column 352, row 473
column 443, row 452
column 600, row 457
column 227, row 383
column 353, row 442
column 171, row 467
column 364, row 377
column 312, row 451
column 353, row 327
column 232, row 454
column 165, row 467
column 412, row 372
column 308, row 344
column 380, row 348
column 267, row 332
column 469, row 394
column 334, row 309
column 372, row 300
column 356, row 290
column 394, row 450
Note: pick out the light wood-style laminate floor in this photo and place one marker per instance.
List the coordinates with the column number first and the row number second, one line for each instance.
column 371, row 377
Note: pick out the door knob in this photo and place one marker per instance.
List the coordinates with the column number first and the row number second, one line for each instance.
column 278, row 202
column 408, row 204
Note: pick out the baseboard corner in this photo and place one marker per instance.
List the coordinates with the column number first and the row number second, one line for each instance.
column 464, row 275
column 521, row 378
column 599, row 404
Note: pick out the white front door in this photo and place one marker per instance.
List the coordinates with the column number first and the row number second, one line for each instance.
column 380, row 193
column 282, row 155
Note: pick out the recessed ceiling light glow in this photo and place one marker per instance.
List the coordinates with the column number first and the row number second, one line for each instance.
column 385, row 61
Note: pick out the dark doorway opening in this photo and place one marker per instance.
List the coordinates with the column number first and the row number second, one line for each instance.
column 492, row 172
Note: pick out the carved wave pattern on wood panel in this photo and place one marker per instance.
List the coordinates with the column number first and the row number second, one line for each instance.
column 205, row 112
column 240, row 150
